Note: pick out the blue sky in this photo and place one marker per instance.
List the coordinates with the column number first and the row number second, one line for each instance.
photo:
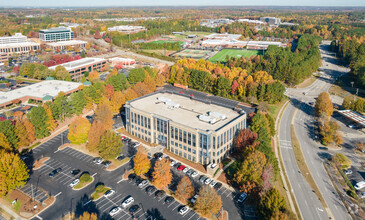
column 93, row 3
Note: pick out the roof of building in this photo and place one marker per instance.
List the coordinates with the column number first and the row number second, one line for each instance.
column 24, row 44
column 184, row 110
column 55, row 29
column 66, row 43
column 39, row 90
column 238, row 42
column 225, row 36
column 354, row 116
column 78, row 63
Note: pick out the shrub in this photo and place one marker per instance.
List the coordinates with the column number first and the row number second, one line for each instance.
column 342, row 160
column 85, row 178
column 100, row 189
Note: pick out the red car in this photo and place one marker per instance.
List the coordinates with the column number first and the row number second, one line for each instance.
column 181, row 167
column 122, row 137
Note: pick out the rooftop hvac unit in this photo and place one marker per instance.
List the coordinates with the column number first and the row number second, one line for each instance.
column 207, row 119
column 163, row 99
column 217, row 115
column 172, row 104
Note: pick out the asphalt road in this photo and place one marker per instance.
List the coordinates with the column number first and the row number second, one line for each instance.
column 309, row 205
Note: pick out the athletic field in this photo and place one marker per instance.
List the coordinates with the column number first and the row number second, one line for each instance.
column 221, row 55
column 191, row 53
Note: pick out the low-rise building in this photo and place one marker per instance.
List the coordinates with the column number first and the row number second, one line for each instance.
column 224, row 36
column 56, row 34
column 212, row 23
column 78, row 67
column 43, row 91
column 194, row 129
column 64, row 45
column 254, row 45
column 4, row 57
column 121, row 60
column 127, row 29
column 271, row 20
column 17, row 43
column 16, row 38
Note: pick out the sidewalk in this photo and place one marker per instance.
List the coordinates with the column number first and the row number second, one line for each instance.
column 10, row 211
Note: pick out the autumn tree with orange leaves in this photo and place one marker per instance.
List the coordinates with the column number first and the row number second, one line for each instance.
column 97, row 129
column 141, row 162
column 185, row 189
column 208, row 202
column 162, row 175
column 104, row 114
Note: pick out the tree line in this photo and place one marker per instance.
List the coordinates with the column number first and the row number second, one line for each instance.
column 165, row 45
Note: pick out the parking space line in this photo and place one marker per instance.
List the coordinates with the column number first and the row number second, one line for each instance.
column 162, row 197
column 187, row 212
column 176, row 207
column 100, row 200
column 105, row 203
column 171, row 203
column 192, row 215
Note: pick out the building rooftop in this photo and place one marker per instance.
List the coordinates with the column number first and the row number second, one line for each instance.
column 237, row 42
column 23, row 44
column 225, row 36
column 354, row 116
column 78, row 63
column 39, row 90
column 66, row 43
column 55, row 30
column 184, row 110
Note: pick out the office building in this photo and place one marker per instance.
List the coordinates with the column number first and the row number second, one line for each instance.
column 56, row 34
column 194, row 129
column 224, row 36
column 16, row 38
column 271, row 20
column 64, row 45
column 3, row 57
column 126, row 29
column 78, row 67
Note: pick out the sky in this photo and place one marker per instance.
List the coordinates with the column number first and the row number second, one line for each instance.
column 106, row 3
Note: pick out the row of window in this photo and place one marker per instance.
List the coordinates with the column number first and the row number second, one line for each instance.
column 182, row 147
column 141, row 120
column 182, row 136
column 183, row 154
column 227, row 136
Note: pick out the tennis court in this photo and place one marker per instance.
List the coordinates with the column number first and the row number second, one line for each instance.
column 221, row 55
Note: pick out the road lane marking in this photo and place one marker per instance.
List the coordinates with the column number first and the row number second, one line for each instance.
column 120, row 180
column 94, row 174
column 39, row 217
column 58, row 194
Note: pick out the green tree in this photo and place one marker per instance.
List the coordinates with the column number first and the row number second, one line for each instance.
column 223, row 87
column 271, row 125
column 324, row 105
column 78, row 102
column 358, row 105
column 347, row 102
column 208, row 202
column 270, row 203
column 110, row 145
column 119, row 82
column 38, row 117
column 342, row 160
column 62, row 74
column 141, row 162
column 136, row 75
column 8, row 129
column 13, row 172
column 78, row 130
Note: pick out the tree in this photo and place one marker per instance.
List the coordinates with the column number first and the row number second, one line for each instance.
column 21, row 133
column 136, row 75
column 141, row 89
column 278, row 215
column 118, row 81
column 109, row 91
column 78, row 130
column 130, row 94
column 117, row 101
column 223, row 87
column 271, row 124
column 97, row 129
column 110, row 145
column 342, row 160
column 78, row 102
column 104, row 114
column 13, row 172
column 270, row 203
column 267, row 178
column 88, row 216
column 62, row 74
column 208, row 202
column 30, row 130
column 324, row 105
column 93, row 76
column 347, row 102
column 330, row 133
column 7, row 128
column 40, row 121
column 141, row 162
column 162, row 175
column 4, row 143
column 185, row 189
column 51, row 122
column 244, row 139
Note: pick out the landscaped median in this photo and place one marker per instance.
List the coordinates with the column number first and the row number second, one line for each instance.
column 39, row 163
column 85, row 180
column 99, row 192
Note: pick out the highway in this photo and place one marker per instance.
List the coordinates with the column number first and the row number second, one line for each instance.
column 299, row 108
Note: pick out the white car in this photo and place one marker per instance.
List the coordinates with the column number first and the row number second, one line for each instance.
column 184, row 210
column 362, row 195
column 128, row 201
column 213, row 165
column 207, row 181
column 194, row 174
column 109, row 193
column 359, row 185
column 74, row 183
column 193, row 200
column 137, row 144
column 186, row 169
column 212, row 184
column 115, row 211
column 172, row 163
column 143, row 183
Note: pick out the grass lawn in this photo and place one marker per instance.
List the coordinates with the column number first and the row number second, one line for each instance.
column 275, row 108
column 85, row 180
column 17, row 206
column 99, row 192
column 221, row 55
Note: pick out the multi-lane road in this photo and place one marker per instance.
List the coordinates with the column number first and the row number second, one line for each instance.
column 299, row 113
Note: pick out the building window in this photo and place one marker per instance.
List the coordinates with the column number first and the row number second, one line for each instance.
column 180, row 153
column 138, row 119
column 189, row 149
column 194, row 158
column 189, row 138
column 189, row 156
column 225, row 136
column 213, row 142
column 184, row 137
column 180, row 146
column 180, row 135
column 194, row 151
column 194, row 140
column 184, row 155
column 176, row 151
column 172, row 143
column 175, row 144
column 176, row 138
column 184, row 147
column 213, row 154
column 149, row 123
column 142, row 120
column 172, row 132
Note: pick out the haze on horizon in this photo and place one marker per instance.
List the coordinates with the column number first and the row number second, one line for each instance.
column 107, row 3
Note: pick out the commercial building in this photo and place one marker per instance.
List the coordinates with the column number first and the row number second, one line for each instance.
column 124, row 61
column 244, row 20
column 3, row 57
column 78, row 67
column 212, row 23
column 43, row 91
column 126, row 29
column 56, row 34
column 253, row 45
column 16, row 38
column 271, row 20
column 191, row 128
column 64, row 45
column 224, row 36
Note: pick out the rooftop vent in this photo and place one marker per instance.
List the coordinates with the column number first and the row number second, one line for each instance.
column 163, row 99
column 217, row 115
column 207, row 119
column 172, row 104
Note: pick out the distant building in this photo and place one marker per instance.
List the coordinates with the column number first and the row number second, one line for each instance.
column 71, row 25
column 42, row 91
column 63, row 45
column 17, row 43
column 224, row 36
column 271, row 20
column 250, row 21
column 56, row 34
column 16, row 38
column 212, row 23
column 3, row 57
column 253, row 45
column 78, row 67
column 126, row 29
column 124, row 61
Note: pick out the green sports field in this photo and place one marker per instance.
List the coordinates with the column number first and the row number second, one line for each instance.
column 221, row 55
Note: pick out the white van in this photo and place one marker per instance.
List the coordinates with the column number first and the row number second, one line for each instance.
column 359, row 185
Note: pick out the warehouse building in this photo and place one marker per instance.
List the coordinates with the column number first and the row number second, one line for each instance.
column 56, row 34
column 126, row 29
column 78, row 67
column 195, row 129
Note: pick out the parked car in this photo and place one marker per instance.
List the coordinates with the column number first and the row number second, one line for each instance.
column 348, row 172
column 55, row 172
column 213, row 165
column 193, row 200
column 75, row 182
column 202, row 178
column 217, row 186
column 143, row 183
column 208, row 180
column 186, row 169
column 107, row 163
column 158, row 155
column 75, row 172
column 169, row 199
column 184, row 210
column 194, row 174
column 212, row 184
column 150, row 189
column 242, row 197
column 109, row 193
column 362, row 195
column 123, row 137
column 129, row 200
column 132, row 176
column 181, row 167
column 359, row 185
column 98, row 160
column 115, row 211
column 133, row 209
column 138, row 180
column 136, row 144
column 159, row 194
column 189, row 172
column 172, row 163
column 121, row 157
